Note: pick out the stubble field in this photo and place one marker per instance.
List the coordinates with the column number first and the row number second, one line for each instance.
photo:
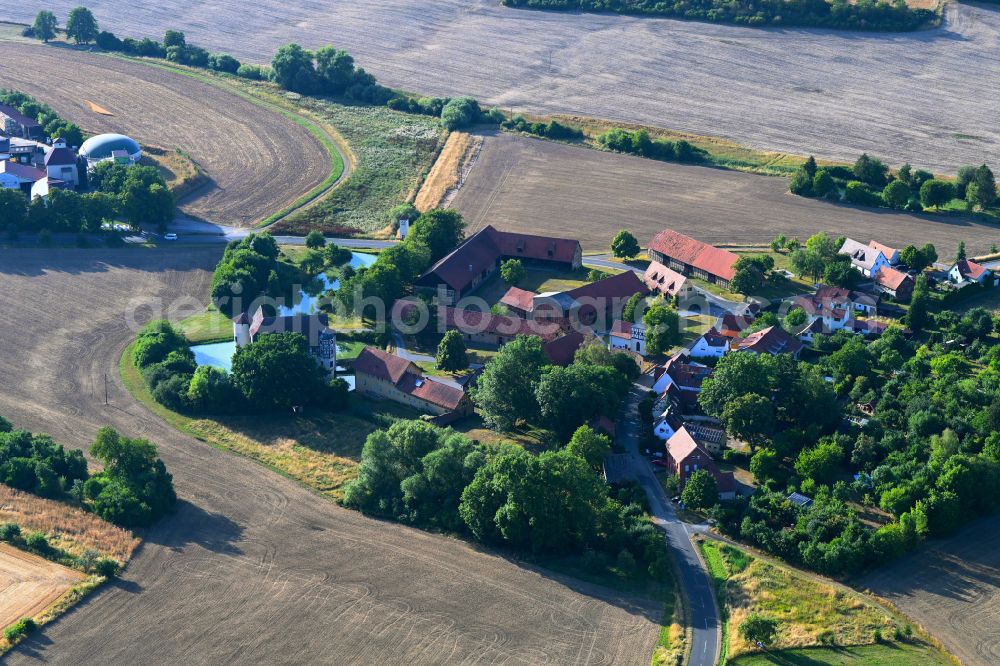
column 254, row 568
column 535, row 186
column 258, row 160
column 920, row 97
column 952, row 588
column 29, row 584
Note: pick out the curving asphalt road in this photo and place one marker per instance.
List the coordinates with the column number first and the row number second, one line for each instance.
column 696, row 586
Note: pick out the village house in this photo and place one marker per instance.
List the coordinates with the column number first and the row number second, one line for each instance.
column 490, row 330
column 732, row 325
column 60, row 164
column 771, row 340
column 321, row 339
column 15, row 123
column 685, row 457
column 17, row 176
column 682, row 378
column 599, row 302
column 379, row 374
column 894, row 283
column 518, row 301
column 712, row 344
column 965, row 272
column 473, row 262
column 624, row 336
column 866, row 258
column 667, row 282
column 692, row 257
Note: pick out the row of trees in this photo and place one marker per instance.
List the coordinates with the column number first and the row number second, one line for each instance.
column 133, row 490
column 870, row 183
column 863, row 15
column 639, row 143
column 81, row 26
column 502, row 495
column 275, row 372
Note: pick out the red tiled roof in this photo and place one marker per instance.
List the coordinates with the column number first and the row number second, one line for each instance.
column 474, row 321
column 695, row 253
column 687, row 375
column 715, row 339
column 481, row 250
column 381, row 365
column 562, row 351
column 22, row 171
column 827, row 293
column 664, row 280
column 621, row 329
column 429, row 390
column 535, row 247
column 890, row 278
column 771, row 340
column 681, row 445
column 520, row 299
column 732, row 325
column 624, row 285
column 970, row 269
column 886, row 251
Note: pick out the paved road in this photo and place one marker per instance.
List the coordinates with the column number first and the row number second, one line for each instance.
column 695, row 583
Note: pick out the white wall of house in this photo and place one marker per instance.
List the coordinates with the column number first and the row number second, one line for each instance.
column 701, row 349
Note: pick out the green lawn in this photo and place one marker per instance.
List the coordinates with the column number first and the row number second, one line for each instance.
column 392, row 151
column 814, row 617
column 887, row 654
column 209, row 326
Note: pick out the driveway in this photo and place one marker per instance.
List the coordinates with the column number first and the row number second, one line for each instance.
column 694, row 580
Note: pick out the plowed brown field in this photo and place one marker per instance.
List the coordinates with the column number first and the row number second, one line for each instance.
column 28, row 584
column 258, row 160
column 923, row 97
column 952, row 588
column 536, row 186
column 253, row 568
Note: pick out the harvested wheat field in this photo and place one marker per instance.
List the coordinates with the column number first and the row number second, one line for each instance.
column 257, row 159
column 537, row 186
column 69, row 528
column 29, row 584
column 273, row 572
column 449, row 171
column 916, row 97
column 952, row 588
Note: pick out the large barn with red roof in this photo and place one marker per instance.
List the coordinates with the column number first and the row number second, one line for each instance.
column 692, row 257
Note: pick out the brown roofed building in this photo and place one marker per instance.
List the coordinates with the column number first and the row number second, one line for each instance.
column 666, row 281
column 771, row 340
column 383, row 375
column 518, row 301
column 495, row 330
column 895, row 283
column 685, row 456
column 15, row 123
column 693, row 257
column 562, row 351
column 473, row 262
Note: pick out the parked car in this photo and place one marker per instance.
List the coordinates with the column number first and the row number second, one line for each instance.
column 170, row 236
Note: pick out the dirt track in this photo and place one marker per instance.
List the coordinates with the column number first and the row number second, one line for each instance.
column 253, row 568
column 259, row 160
column 537, row 186
column 922, row 97
column 28, row 584
column 952, row 588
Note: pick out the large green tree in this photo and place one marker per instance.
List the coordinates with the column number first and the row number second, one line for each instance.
column 451, row 352
column 505, row 392
column 293, row 69
column 439, row 230
column 44, row 27
column 624, row 245
column 589, row 445
column 701, row 491
column 81, row 25
column 662, row 328
column 750, row 417
column 277, row 371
